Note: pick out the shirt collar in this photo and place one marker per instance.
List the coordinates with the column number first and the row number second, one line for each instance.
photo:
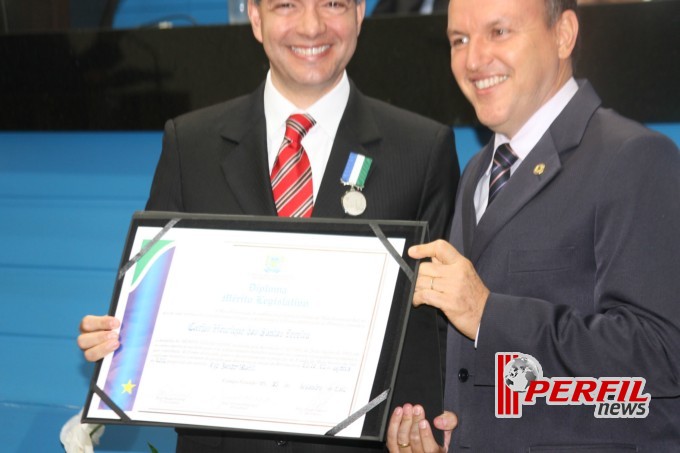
column 327, row 111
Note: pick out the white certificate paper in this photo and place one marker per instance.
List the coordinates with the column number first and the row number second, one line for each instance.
column 246, row 330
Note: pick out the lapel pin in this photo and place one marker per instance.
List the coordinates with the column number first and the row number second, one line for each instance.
column 538, row 169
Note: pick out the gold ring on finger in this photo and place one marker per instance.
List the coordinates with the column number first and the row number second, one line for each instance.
column 406, row 445
column 432, row 283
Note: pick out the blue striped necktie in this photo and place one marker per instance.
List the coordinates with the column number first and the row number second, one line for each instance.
column 503, row 159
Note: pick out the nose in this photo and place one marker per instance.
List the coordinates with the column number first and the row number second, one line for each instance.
column 478, row 54
column 311, row 23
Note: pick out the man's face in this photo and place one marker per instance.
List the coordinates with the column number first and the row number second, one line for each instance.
column 308, row 43
column 506, row 59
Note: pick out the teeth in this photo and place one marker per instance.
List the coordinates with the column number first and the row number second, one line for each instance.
column 310, row 51
column 491, row 81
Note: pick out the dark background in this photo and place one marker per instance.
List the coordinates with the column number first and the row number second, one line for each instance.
column 136, row 79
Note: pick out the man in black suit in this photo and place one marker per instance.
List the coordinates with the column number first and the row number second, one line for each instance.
column 219, row 160
column 564, row 247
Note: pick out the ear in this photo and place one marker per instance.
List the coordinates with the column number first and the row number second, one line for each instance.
column 255, row 18
column 566, row 30
column 361, row 13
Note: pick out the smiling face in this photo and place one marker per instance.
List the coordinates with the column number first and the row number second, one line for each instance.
column 507, row 60
column 308, row 42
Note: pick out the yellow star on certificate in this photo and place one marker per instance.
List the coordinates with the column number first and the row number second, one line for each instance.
column 127, row 388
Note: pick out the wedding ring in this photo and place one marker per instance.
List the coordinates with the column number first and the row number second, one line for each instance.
column 406, row 445
column 432, row 283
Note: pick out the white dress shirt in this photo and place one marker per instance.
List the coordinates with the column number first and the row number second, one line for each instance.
column 318, row 142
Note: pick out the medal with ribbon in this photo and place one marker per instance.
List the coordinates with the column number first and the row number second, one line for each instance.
column 356, row 171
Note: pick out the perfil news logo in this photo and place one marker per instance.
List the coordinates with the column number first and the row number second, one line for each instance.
column 520, row 381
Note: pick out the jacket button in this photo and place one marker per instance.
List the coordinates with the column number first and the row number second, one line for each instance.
column 463, row 375
column 281, row 443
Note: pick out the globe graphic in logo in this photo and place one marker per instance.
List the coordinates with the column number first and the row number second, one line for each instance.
column 521, row 371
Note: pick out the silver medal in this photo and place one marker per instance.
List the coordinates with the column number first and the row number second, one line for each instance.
column 354, row 202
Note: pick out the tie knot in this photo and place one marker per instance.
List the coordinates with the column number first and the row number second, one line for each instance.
column 504, row 156
column 297, row 126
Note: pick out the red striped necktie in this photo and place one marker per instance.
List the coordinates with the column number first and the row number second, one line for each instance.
column 292, row 173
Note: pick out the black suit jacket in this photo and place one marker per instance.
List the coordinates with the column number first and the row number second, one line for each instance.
column 582, row 263
column 214, row 160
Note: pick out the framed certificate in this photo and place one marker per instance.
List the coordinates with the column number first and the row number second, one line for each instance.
column 284, row 327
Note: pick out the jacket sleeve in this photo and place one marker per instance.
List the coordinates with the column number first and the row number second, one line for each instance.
column 634, row 329
column 439, row 190
column 166, row 188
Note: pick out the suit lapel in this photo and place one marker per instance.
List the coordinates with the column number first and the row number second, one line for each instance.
column 520, row 189
column 356, row 131
column 244, row 161
column 563, row 135
column 465, row 218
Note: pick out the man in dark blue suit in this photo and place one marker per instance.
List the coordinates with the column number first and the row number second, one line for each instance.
column 564, row 247
column 219, row 160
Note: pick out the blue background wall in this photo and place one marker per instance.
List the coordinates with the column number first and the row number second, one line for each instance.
column 66, row 201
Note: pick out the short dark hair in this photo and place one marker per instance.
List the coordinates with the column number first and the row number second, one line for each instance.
column 555, row 8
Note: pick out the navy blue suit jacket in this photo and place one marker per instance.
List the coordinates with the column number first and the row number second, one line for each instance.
column 582, row 264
